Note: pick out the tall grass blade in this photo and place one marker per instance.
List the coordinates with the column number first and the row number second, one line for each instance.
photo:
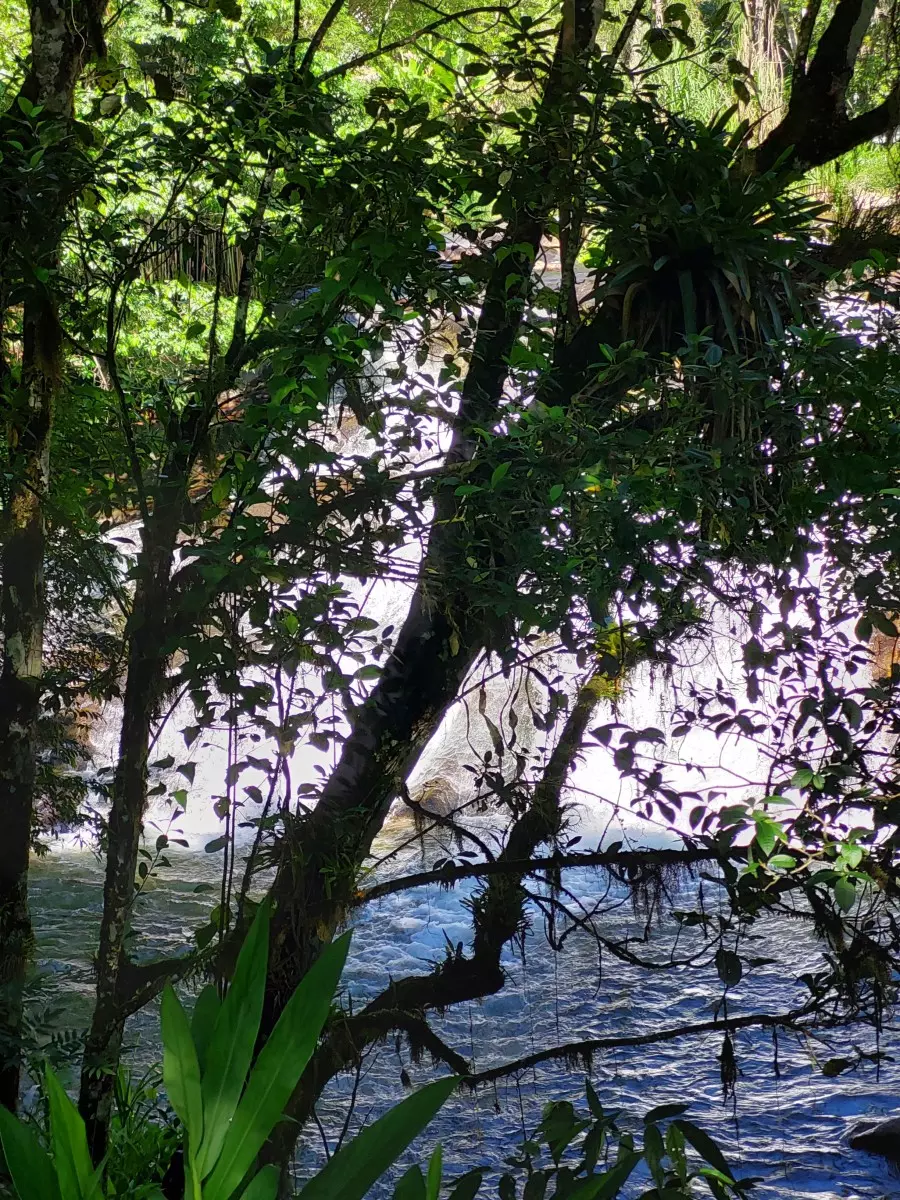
column 230, row 1049
column 28, row 1163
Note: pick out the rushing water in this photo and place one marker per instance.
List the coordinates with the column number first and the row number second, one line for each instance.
column 788, row 1127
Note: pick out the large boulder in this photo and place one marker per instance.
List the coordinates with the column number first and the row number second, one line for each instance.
column 878, row 1137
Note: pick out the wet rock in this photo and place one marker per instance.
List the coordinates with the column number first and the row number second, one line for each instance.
column 878, row 1137
column 438, row 796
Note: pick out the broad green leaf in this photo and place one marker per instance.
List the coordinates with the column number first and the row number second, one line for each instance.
column 466, row 1187
column 768, row 832
column 68, row 1140
column 280, row 1064
column 729, row 966
column 499, row 473
column 356, row 1167
column 609, row 1184
column 203, row 1021
column 844, row 893
column 263, row 1185
column 654, row 1152
column 411, row 1185
column 230, row 1050
column 664, row 1111
column 705, row 1147
column 28, row 1162
column 181, row 1070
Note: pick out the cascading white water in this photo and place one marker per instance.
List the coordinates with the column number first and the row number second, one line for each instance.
column 790, row 1127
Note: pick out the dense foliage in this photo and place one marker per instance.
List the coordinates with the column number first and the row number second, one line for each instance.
column 490, row 307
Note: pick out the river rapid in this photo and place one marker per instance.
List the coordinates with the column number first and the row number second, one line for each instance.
column 788, row 1126
column 787, row 1122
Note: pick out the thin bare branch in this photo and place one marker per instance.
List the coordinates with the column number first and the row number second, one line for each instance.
column 400, row 43
column 573, row 1051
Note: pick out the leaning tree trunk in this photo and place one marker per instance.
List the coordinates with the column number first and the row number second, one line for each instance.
column 438, row 641
column 318, row 855
column 22, row 614
column 63, row 36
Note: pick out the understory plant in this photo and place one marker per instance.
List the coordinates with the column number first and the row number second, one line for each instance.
column 227, row 1103
column 583, row 1154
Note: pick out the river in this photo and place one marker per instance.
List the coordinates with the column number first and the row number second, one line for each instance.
column 788, row 1125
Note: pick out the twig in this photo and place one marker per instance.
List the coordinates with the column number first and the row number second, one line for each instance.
column 362, row 59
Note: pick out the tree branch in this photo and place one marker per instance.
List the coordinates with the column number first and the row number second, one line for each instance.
column 804, row 36
column 627, row 859
column 574, row 1051
column 817, row 127
column 321, row 33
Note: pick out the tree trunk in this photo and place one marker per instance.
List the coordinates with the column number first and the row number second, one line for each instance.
column 22, row 614
column 147, row 666
column 320, row 854
column 63, row 36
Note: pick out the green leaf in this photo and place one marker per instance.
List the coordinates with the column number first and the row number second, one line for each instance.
column 411, row 1185
column 68, row 1141
column 654, row 1152
column 768, row 833
column 729, row 967
column 883, row 624
column 705, row 1147
column 664, row 1112
column 844, row 893
column 355, row 1168
column 28, row 1162
column 802, row 778
column 467, row 1186
column 435, row 1174
column 499, row 472
column 230, row 1049
column 263, row 1185
column 181, row 1068
column 137, row 102
column 782, row 862
column 206, row 1011
column 610, row 1183
column 281, row 1062
column 281, row 386
column 660, row 43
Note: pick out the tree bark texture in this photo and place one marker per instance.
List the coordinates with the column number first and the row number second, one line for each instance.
column 817, row 126
column 321, row 853
column 147, row 668
column 64, row 36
